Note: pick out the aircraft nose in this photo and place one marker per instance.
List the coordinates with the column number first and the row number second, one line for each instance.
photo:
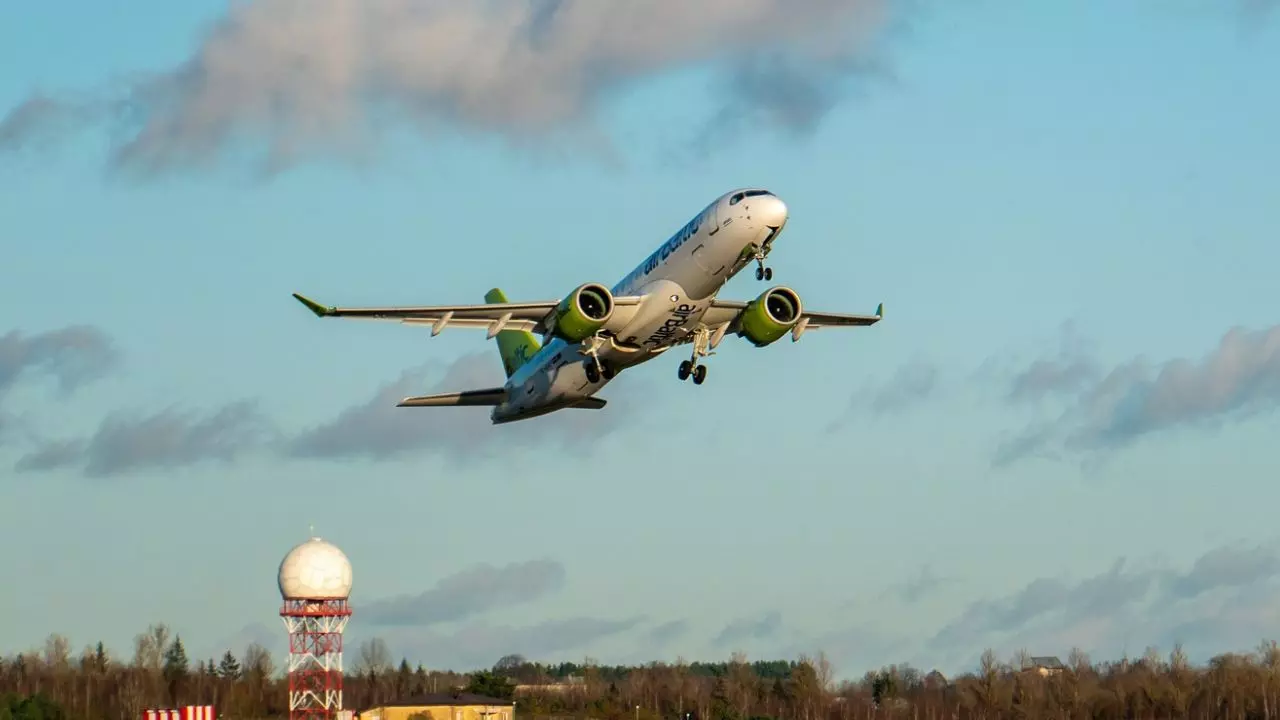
column 770, row 210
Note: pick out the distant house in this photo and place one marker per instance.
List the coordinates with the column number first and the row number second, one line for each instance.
column 935, row 680
column 570, row 682
column 1047, row 665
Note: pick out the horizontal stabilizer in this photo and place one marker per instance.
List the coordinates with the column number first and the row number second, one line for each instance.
column 488, row 396
column 591, row 403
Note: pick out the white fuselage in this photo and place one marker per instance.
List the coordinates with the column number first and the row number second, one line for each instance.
column 678, row 282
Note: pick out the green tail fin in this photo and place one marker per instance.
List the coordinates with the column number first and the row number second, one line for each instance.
column 515, row 346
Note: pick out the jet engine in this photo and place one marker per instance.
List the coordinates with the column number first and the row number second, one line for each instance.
column 770, row 316
column 582, row 312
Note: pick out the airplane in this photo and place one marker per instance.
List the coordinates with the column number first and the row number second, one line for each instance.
column 594, row 332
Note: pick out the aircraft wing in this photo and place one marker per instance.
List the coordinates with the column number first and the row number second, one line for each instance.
column 816, row 320
column 726, row 313
column 530, row 316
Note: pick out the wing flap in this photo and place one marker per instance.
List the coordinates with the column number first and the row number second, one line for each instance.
column 495, row 325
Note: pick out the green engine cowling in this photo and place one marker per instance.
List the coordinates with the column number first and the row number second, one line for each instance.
column 770, row 316
column 582, row 312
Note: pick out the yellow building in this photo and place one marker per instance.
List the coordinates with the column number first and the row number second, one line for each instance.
column 442, row 706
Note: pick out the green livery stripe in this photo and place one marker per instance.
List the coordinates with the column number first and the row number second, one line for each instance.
column 515, row 346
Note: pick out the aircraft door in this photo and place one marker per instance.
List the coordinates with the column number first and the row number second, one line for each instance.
column 706, row 261
column 711, row 219
column 702, row 254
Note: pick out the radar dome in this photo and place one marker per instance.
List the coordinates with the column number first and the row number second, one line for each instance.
column 315, row 570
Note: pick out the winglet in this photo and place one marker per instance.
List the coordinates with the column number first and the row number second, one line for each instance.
column 313, row 306
column 880, row 310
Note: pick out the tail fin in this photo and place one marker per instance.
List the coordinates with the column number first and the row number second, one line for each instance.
column 515, row 346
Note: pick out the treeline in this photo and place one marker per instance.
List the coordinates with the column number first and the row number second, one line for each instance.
column 519, row 670
column 54, row 684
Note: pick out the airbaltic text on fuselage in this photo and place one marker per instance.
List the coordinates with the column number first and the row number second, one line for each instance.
column 670, row 246
column 679, row 317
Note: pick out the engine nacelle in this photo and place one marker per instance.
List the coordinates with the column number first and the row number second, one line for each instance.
column 770, row 316
column 582, row 312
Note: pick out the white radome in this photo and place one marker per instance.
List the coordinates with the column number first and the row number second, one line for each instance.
column 315, row 570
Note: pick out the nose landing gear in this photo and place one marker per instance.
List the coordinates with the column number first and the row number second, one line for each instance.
column 762, row 272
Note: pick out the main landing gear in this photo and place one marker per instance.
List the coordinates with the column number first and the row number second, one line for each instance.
column 597, row 369
column 691, row 367
column 594, row 367
column 762, row 272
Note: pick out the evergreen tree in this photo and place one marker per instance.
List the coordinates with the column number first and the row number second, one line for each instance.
column 420, row 680
column 34, row 707
column 176, row 668
column 490, row 684
column 100, row 657
column 229, row 668
column 404, row 679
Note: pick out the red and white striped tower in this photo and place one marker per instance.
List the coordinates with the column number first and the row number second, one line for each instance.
column 315, row 582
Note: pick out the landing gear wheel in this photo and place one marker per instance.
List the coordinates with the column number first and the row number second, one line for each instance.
column 762, row 272
column 701, row 341
column 607, row 372
column 593, row 374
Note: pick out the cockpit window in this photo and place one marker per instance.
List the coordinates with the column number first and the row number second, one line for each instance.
column 739, row 197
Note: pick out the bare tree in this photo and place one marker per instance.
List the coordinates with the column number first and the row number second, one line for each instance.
column 375, row 658
column 1021, row 660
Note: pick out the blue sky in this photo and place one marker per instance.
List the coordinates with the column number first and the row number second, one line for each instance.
column 1062, row 433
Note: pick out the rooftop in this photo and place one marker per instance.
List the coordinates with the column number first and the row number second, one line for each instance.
column 437, row 699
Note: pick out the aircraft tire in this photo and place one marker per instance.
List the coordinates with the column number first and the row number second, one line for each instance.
column 686, row 367
column 699, row 374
